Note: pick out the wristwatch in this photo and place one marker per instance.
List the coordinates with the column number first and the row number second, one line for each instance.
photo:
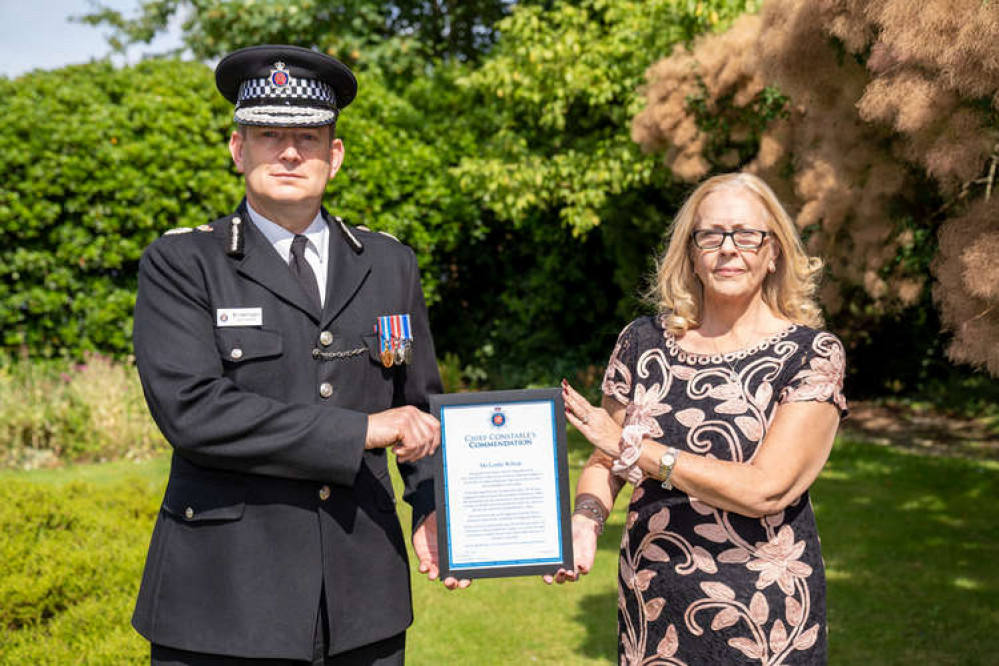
column 666, row 465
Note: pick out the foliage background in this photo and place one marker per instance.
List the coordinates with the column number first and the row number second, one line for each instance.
column 494, row 138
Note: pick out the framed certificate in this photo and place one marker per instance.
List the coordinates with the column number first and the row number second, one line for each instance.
column 502, row 484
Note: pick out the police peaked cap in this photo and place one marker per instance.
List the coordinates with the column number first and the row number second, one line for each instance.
column 286, row 86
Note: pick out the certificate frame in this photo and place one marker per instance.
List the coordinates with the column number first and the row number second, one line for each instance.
column 453, row 513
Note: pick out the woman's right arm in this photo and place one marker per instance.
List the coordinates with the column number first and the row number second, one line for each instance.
column 599, row 484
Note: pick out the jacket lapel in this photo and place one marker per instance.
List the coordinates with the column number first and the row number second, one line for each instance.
column 347, row 272
column 262, row 264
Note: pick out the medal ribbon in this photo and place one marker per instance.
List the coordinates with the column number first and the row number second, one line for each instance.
column 384, row 332
column 396, row 329
column 393, row 330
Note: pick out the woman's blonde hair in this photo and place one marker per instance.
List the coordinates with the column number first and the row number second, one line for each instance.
column 677, row 292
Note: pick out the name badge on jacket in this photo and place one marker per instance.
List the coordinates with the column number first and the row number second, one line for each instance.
column 239, row 317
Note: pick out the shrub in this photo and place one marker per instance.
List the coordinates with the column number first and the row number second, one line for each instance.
column 53, row 413
column 97, row 163
column 73, row 555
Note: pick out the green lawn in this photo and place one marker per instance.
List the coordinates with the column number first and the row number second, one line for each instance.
column 910, row 543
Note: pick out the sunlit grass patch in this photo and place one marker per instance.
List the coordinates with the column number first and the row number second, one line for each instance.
column 909, row 541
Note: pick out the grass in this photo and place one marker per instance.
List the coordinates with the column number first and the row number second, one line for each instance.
column 154, row 470
column 910, row 544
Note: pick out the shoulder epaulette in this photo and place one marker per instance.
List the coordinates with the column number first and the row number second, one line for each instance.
column 235, row 244
column 356, row 245
column 383, row 233
column 204, row 228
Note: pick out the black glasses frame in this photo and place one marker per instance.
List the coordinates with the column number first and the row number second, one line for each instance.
column 700, row 233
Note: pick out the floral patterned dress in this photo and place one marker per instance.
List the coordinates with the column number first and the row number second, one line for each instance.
column 698, row 585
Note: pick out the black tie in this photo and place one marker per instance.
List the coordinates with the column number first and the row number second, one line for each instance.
column 303, row 271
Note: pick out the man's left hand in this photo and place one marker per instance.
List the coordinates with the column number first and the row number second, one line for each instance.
column 425, row 547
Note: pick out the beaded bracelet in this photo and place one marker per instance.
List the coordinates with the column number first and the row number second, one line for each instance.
column 589, row 506
column 626, row 463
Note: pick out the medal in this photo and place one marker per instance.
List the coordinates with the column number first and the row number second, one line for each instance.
column 395, row 339
column 384, row 331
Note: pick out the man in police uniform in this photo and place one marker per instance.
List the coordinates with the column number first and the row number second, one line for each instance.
column 281, row 353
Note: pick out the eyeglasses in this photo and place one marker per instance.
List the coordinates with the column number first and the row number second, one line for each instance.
column 744, row 239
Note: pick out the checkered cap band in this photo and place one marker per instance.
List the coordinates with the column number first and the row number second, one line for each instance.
column 300, row 90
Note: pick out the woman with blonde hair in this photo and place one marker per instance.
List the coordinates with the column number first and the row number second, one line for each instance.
column 721, row 410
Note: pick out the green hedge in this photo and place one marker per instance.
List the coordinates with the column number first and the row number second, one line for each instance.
column 73, row 554
column 532, row 213
column 98, row 162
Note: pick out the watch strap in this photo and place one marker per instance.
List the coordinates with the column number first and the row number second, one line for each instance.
column 666, row 464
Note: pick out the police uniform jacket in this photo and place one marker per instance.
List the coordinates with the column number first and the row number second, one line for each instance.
column 272, row 499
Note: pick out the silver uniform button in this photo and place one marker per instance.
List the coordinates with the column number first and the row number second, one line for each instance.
column 236, row 354
column 189, row 513
column 325, row 389
column 325, row 338
column 324, row 493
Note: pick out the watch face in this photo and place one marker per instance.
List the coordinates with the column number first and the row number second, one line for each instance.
column 668, row 459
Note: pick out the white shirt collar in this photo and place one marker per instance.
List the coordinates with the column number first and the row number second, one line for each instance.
column 280, row 238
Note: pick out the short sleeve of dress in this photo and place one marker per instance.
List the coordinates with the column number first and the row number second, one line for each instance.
column 820, row 374
column 618, row 382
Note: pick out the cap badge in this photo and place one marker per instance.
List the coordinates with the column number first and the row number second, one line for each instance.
column 279, row 77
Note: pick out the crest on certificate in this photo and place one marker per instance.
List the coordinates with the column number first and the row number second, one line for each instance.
column 498, row 418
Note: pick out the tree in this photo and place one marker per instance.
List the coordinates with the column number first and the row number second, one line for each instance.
column 397, row 37
column 575, row 210
column 889, row 136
